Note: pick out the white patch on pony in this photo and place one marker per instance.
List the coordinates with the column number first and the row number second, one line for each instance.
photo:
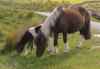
column 49, row 44
column 32, row 31
column 54, row 50
column 81, row 41
column 50, row 21
column 66, row 47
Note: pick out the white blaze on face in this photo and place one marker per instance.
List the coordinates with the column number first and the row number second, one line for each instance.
column 32, row 31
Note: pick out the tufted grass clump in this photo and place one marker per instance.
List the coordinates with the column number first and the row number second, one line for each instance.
column 14, row 34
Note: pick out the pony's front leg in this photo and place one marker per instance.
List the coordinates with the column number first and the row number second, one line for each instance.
column 49, row 44
column 66, row 47
column 55, row 49
column 80, row 41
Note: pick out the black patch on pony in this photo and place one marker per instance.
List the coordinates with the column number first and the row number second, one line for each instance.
column 40, row 41
column 25, row 39
column 37, row 29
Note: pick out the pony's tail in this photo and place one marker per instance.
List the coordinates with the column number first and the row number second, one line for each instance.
column 86, row 28
column 21, row 44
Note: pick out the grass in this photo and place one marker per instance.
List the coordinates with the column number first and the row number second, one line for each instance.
column 94, row 19
column 15, row 18
column 82, row 58
column 13, row 23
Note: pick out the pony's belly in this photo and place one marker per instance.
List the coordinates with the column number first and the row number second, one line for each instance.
column 74, row 27
column 72, row 30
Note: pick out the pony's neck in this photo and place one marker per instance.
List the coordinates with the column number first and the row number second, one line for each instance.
column 46, row 30
column 50, row 21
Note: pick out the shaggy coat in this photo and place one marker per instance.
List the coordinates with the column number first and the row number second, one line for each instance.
column 28, row 37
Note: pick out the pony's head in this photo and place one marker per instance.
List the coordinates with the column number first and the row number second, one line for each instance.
column 41, row 40
column 41, row 43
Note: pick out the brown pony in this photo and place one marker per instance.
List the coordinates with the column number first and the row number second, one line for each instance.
column 63, row 20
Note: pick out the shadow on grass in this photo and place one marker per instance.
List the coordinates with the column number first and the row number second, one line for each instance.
column 7, row 49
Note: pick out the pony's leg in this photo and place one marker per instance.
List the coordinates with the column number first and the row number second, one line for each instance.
column 49, row 44
column 29, row 47
column 55, row 49
column 80, row 41
column 66, row 47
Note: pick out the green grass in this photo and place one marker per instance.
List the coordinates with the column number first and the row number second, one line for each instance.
column 82, row 58
column 13, row 24
column 15, row 19
column 94, row 19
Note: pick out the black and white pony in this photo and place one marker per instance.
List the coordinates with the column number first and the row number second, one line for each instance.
column 63, row 20
column 29, row 37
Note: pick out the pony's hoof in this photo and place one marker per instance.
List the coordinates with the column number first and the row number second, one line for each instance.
column 54, row 52
column 66, row 50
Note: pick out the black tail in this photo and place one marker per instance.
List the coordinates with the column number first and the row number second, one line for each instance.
column 85, row 31
column 21, row 44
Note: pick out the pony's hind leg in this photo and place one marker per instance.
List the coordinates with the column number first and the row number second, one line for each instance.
column 66, row 47
column 55, row 49
column 80, row 41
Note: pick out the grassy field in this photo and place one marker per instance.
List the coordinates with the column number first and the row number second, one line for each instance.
column 16, row 17
column 83, row 58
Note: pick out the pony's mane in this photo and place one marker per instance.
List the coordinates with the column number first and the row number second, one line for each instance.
column 50, row 20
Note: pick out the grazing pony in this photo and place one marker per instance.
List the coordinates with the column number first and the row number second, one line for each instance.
column 29, row 37
column 63, row 20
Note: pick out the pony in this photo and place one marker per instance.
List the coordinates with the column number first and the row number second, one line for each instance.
column 29, row 37
column 66, row 21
